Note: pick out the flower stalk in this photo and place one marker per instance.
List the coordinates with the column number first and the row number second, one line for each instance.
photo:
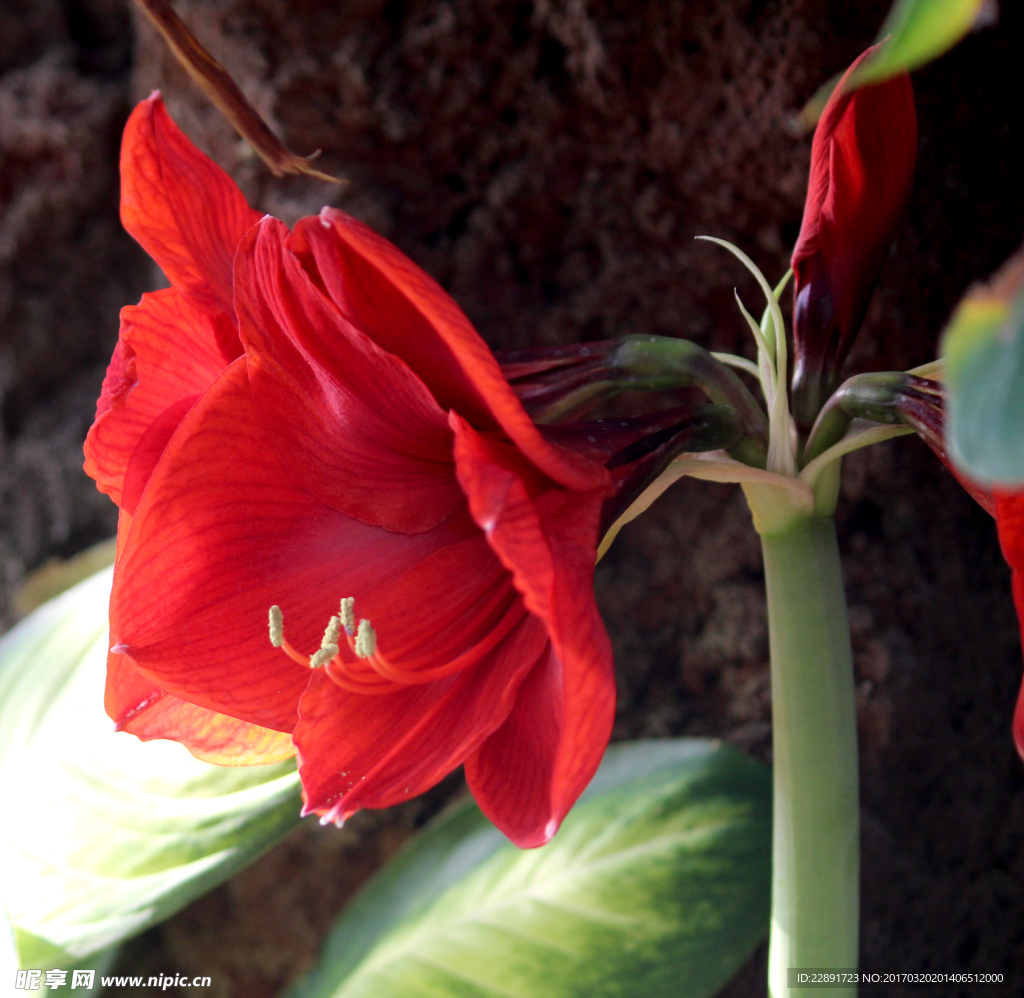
column 815, row 843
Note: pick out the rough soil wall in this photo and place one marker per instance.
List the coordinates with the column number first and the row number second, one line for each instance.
column 550, row 163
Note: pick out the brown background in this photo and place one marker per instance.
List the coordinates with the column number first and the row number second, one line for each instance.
column 550, row 163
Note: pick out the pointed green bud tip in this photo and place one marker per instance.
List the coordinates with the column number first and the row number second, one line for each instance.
column 333, row 633
column 347, row 614
column 323, row 656
column 366, row 640
column 276, row 626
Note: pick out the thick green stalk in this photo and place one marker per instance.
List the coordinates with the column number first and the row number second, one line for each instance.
column 816, row 841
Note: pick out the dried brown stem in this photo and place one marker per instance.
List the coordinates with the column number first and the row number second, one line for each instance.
column 222, row 90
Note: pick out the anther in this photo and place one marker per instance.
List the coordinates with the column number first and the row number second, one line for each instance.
column 347, row 615
column 323, row 656
column 332, row 634
column 276, row 626
column 366, row 640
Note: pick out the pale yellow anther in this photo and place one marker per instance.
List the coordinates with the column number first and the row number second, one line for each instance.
column 347, row 614
column 323, row 656
column 332, row 634
column 276, row 626
column 366, row 640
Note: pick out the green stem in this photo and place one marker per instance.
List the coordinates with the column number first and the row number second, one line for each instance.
column 816, row 850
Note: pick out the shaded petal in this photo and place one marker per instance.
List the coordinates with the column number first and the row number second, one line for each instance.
column 354, row 425
column 144, row 710
column 221, row 533
column 187, row 213
column 383, row 293
column 1010, row 521
column 530, row 772
column 359, row 751
column 528, row 775
column 167, row 351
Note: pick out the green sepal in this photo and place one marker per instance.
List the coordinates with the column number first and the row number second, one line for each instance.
column 656, row 885
column 102, row 835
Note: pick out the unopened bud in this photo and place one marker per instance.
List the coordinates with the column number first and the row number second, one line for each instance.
column 323, row 656
column 276, row 626
column 366, row 640
column 347, row 614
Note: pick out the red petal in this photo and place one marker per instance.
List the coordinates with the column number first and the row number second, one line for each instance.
column 384, row 294
column 528, row 775
column 355, row 426
column 147, row 712
column 359, row 751
column 1010, row 521
column 187, row 213
column 222, row 533
column 167, row 351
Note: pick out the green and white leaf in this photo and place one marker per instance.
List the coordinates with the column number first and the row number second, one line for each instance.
column 101, row 835
column 983, row 348
column 656, row 885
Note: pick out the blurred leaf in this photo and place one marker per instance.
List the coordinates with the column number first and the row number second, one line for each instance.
column 101, row 835
column 919, row 31
column 915, row 33
column 656, row 885
column 55, row 576
column 983, row 348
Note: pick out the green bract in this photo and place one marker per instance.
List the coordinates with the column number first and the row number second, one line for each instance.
column 983, row 348
column 656, row 885
column 102, row 835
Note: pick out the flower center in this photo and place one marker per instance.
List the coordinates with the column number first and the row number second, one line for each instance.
column 352, row 659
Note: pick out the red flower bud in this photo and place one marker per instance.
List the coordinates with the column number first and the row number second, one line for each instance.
column 862, row 159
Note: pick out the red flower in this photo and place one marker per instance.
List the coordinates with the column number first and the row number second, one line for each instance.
column 862, row 159
column 304, row 417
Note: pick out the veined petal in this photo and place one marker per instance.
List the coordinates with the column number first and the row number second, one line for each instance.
column 167, row 351
column 353, row 424
column 187, row 213
column 221, row 533
column 382, row 292
column 144, row 710
column 530, row 772
column 359, row 751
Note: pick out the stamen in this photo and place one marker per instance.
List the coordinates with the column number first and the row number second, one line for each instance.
column 323, row 656
column 347, row 615
column 276, row 626
column 333, row 633
column 366, row 640
column 277, row 638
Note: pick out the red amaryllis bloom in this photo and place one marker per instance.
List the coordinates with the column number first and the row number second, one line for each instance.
column 305, row 417
column 862, row 159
